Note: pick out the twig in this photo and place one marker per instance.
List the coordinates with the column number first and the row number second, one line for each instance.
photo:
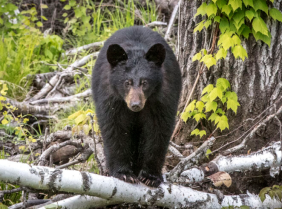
column 155, row 24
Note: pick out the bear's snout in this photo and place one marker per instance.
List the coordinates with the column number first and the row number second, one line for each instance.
column 135, row 99
column 136, row 106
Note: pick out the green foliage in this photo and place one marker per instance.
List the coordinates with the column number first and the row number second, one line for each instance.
column 7, row 117
column 273, row 192
column 22, row 46
column 214, row 100
column 93, row 23
column 234, row 18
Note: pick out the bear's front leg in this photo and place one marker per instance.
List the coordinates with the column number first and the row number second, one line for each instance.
column 118, row 148
column 155, row 139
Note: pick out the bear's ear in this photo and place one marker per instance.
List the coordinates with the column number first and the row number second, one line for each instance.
column 156, row 54
column 116, row 54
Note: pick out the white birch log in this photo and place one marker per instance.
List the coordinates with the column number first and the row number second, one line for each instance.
column 112, row 189
column 266, row 158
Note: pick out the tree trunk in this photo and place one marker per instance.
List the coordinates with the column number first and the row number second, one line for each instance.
column 257, row 80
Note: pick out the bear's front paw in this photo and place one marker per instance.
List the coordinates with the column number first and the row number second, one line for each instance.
column 150, row 179
column 127, row 177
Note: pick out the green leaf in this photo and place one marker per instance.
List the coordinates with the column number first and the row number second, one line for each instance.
column 48, row 53
column 200, row 106
column 191, row 106
column 44, row 18
column 205, row 98
column 208, row 153
column 4, row 122
column 261, row 4
column 227, row 42
column 43, row 6
column 264, row 38
column 246, row 32
column 213, row 117
column 67, row 7
column 239, row 51
column 236, row 40
column 185, row 116
column 198, row 116
column 209, row 60
column 216, row 92
column 275, row 14
column 222, row 122
column 248, row 3
column 263, row 192
column 65, row 14
column 224, row 25
column 211, row 106
column 217, row 19
column 204, row 51
column 226, row 9
column 202, row 133
column 199, row 27
column 235, row 4
column 250, row 14
column 238, row 16
column 207, row 89
column 260, row 26
column 231, row 95
column 223, row 84
column 221, row 3
column 211, row 9
column 220, row 111
column 195, row 132
column 80, row 119
column 72, row 3
column 233, row 105
column 197, row 56
column 39, row 24
column 221, row 54
column 207, row 24
column 202, row 9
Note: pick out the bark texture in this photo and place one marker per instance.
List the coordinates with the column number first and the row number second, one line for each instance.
column 257, row 81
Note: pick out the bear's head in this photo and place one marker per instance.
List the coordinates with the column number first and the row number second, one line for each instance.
column 136, row 74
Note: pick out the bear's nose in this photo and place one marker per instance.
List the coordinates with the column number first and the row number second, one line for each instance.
column 136, row 106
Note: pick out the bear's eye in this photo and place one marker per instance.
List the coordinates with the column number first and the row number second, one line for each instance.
column 144, row 82
column 127, row 83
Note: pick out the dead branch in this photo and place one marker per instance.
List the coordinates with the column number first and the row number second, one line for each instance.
column 186, row 162
column 252, row 133
column 171, row 22
column 75, row 97
column 46, row 154
column 95, row 46
column 156, row 24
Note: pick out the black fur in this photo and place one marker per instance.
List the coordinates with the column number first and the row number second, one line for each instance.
column 135, row 143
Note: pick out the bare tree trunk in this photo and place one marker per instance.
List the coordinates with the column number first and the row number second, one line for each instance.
column 257, row 81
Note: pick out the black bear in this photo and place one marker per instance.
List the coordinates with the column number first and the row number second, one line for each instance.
column 136, row 83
